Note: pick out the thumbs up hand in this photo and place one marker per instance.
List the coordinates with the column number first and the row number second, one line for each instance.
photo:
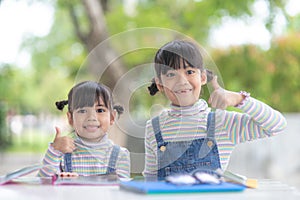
column 221, row 98
column 63, row 144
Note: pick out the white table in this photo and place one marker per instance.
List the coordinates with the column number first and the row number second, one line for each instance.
column 267, row 189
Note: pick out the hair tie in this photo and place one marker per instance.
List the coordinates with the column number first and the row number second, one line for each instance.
column 119, row 109
column 153, row 88
column 61, row 104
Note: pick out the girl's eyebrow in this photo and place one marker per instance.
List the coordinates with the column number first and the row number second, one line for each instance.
column 100, row 105
column 170, row 69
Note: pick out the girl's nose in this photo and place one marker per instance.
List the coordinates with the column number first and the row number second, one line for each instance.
column 92, row 116
column 182, row 79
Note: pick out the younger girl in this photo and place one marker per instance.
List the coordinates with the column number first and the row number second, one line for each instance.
column 189, row 135
column 88, row 151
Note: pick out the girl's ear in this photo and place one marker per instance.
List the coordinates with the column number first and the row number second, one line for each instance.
column 203, row 77
column 113, row 115
column 159, row 86
column 70, row 118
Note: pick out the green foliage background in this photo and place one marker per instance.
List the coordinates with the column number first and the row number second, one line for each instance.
column 269, row 75
column 56, row 58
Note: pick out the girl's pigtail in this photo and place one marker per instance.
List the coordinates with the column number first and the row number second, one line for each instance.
column 61, row 104
column 119, row 109
column 153, row 88
column 209, row 75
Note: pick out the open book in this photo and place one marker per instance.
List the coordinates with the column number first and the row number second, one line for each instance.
column 18, row 176
column 19, row 173
column 105, row 179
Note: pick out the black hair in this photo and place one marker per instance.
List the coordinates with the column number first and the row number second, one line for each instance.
column 85, row 94
column 177, row 54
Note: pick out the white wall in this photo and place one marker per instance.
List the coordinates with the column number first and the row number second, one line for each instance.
column 276, row 157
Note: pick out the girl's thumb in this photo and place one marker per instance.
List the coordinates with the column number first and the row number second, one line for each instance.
column 58, row 132
column 214, row 83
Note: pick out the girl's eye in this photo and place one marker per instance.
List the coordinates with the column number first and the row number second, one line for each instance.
column 170, row 74
column 81, row 111
column 190, row 71
column 100, row 110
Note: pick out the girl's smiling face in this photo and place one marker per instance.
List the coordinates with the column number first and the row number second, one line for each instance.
column 182, row 86
column 91, row 123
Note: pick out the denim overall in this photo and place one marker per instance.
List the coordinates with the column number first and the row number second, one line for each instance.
column 187, row 156
column 111, row 165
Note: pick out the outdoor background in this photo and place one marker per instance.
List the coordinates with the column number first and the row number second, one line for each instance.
column 48, row 46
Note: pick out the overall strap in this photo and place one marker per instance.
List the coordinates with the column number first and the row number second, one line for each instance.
column 156, row 128
column 211, row 124
column 113, row 159
column 68, row 162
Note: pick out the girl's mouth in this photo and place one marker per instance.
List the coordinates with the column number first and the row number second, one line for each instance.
column 91, row 128
column 182, row 91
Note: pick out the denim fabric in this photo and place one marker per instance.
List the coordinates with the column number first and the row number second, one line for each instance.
column 187, row 156
column 113, row 160
column 111, row 164
column 68, row 162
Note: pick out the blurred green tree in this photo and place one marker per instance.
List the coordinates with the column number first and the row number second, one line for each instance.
column 269, row 75
column 80, row 25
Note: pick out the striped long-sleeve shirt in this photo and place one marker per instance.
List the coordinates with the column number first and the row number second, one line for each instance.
column 87, row 159
column 257, row 120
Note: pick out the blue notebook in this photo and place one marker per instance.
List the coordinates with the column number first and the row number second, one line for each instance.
column 161, row 187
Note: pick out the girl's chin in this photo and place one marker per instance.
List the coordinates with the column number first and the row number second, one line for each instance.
column 184, row 103
column 92, row 139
